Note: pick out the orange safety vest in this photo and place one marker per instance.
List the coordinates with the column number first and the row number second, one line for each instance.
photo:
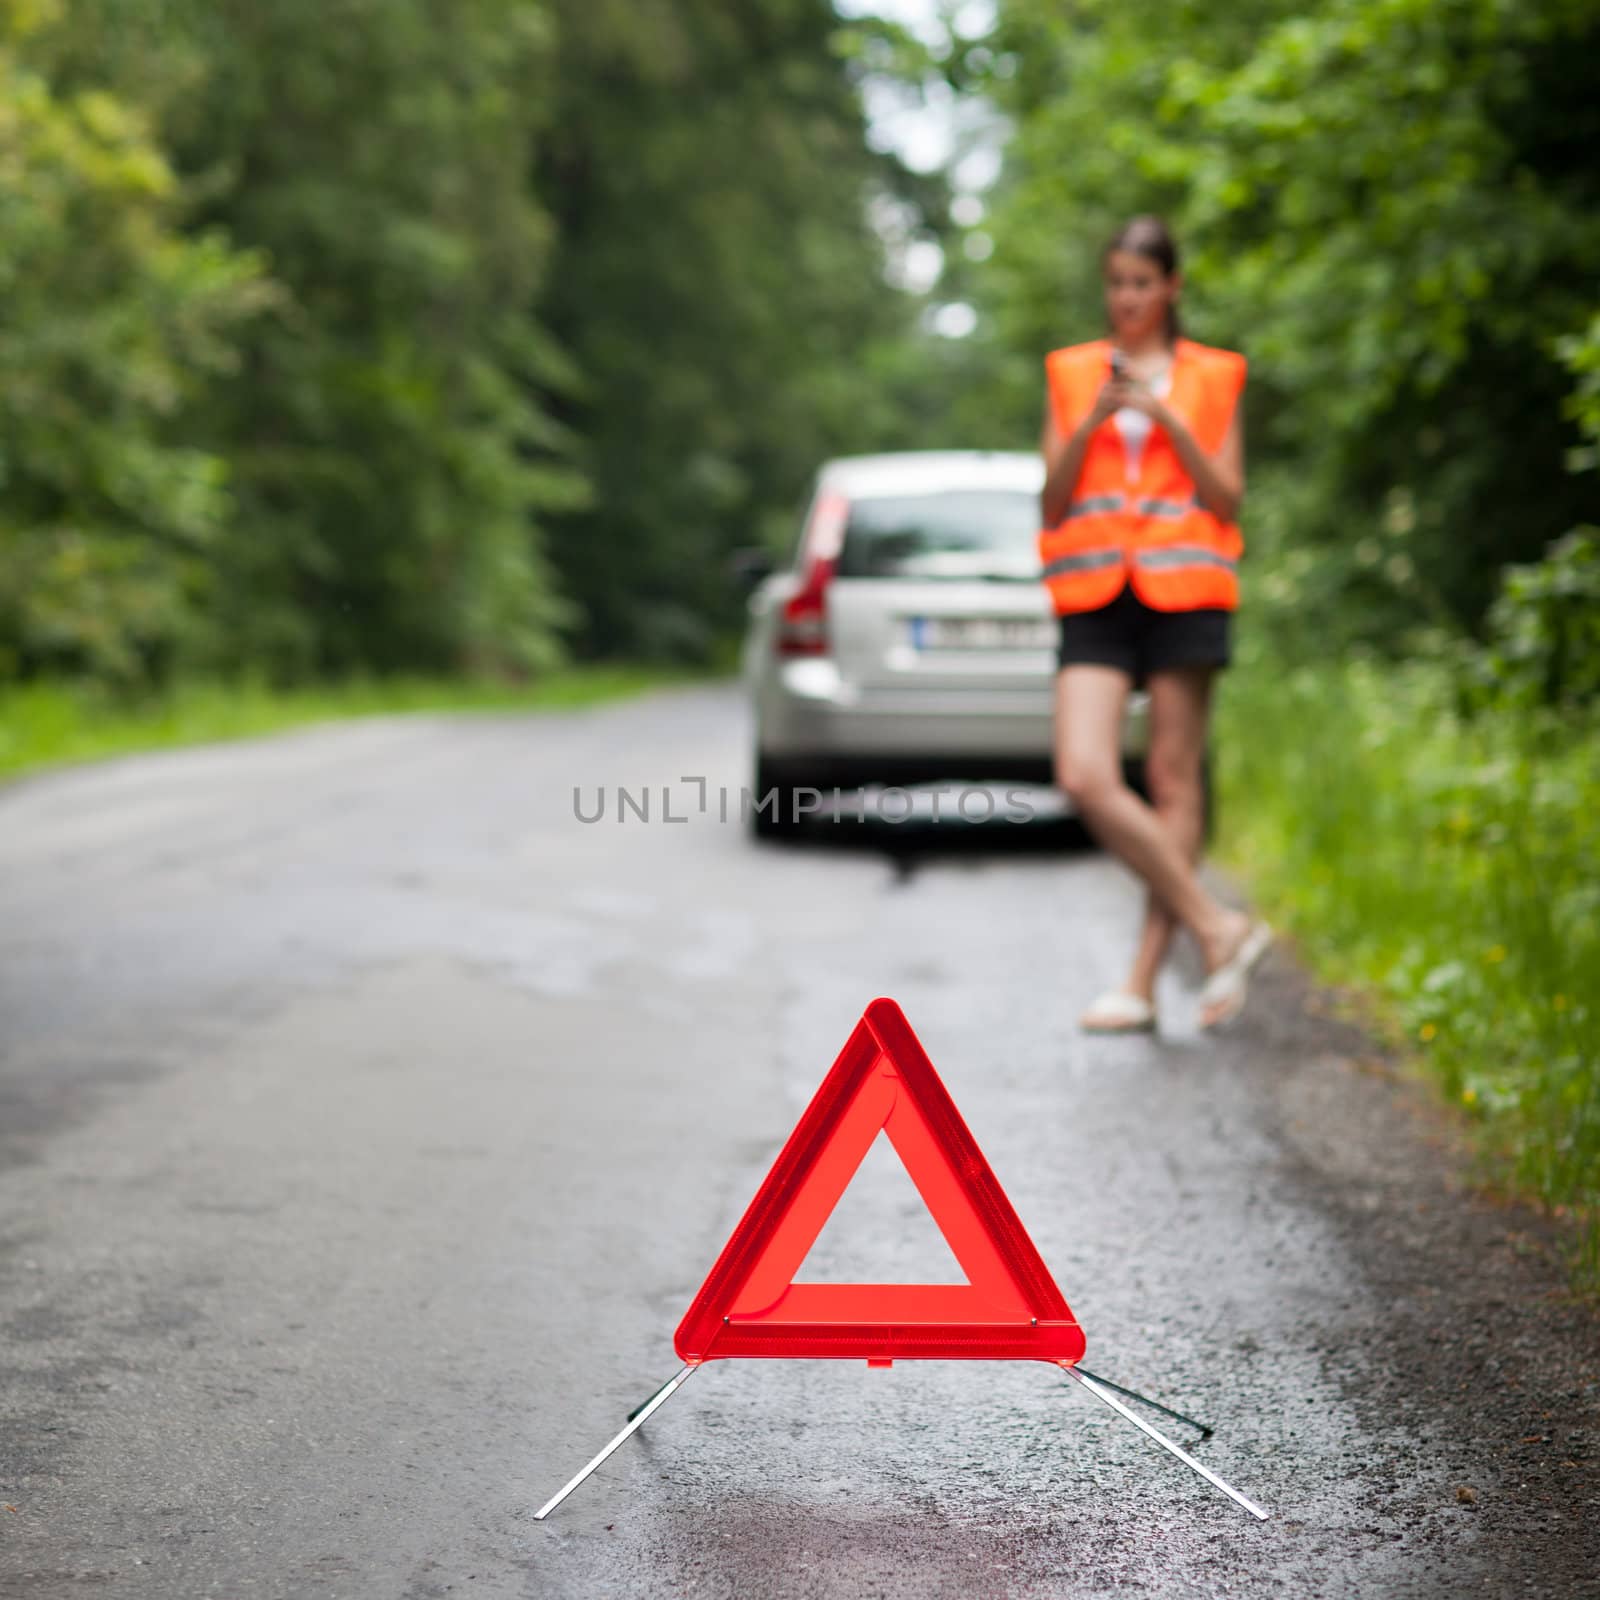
column 1152, row 531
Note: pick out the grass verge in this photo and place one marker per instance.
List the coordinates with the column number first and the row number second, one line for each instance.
column 53, row 724
column 1450, row 870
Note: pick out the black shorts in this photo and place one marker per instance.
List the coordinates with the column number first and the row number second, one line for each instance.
column 1141, row 640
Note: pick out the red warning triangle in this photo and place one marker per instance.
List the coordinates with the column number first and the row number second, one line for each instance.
column 1008, row 1310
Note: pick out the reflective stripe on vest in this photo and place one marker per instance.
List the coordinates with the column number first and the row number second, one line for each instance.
column 1083, row 561
column 1094, row 505
column 1184, row 555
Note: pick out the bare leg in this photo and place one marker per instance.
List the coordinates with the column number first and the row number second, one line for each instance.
column 1180, row 702
column 1089, row 706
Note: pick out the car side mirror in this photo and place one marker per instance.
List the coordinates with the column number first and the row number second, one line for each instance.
column 748, row 566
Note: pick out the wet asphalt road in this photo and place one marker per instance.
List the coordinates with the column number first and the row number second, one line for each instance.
column 367, row 1123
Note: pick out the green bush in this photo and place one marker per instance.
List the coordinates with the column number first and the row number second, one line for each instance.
column 1450, row 866
column 1544, row 630
column 114, row 321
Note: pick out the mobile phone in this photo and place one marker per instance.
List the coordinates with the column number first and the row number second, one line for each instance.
column 1119, row 365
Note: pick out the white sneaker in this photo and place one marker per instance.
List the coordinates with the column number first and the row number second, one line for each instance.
column 1117, row 1011
column 1228, row 984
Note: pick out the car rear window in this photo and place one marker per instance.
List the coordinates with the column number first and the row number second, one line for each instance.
column 951, row 533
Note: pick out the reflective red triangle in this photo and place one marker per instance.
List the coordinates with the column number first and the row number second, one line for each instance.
column 1010, row 1307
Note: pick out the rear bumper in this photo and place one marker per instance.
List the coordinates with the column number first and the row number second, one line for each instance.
column 854, row 771
column 804, row 709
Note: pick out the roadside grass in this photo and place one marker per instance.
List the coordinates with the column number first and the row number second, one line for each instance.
column 1450, row 870
column 53, row 724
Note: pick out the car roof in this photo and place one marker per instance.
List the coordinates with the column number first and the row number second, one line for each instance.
column 931, row 471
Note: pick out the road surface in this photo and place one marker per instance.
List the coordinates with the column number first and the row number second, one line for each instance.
column 368, row 1120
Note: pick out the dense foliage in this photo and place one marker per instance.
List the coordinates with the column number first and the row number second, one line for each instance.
column 1391, row 205
column 1443, row 866
column 115, row 317
column 390, row 334
column 719, row 292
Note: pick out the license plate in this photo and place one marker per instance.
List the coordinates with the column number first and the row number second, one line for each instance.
column 981, row 633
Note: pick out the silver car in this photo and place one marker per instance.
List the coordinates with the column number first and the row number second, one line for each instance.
column 910, row 640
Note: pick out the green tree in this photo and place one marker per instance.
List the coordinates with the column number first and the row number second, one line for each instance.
column 112, row 519
column 720, row 289
column 1391, row 205
column 391, row 461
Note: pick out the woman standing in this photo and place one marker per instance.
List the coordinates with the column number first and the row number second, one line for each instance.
column 1144, row 457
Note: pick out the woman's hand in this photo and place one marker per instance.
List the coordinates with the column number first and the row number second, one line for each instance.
column 1218, row 479
column 1114, row 394
column 1139, row 396
column 1064, row 457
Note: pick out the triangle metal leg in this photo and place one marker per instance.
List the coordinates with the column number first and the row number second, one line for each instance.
column 635, row 1422
column 1183, row 1455
column 643, row 1403
column 1206, row 1430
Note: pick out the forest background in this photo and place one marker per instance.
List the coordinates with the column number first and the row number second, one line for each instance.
column 375, row 343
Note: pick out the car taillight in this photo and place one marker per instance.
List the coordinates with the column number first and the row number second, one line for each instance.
column 803, row 624
column 803, row 627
